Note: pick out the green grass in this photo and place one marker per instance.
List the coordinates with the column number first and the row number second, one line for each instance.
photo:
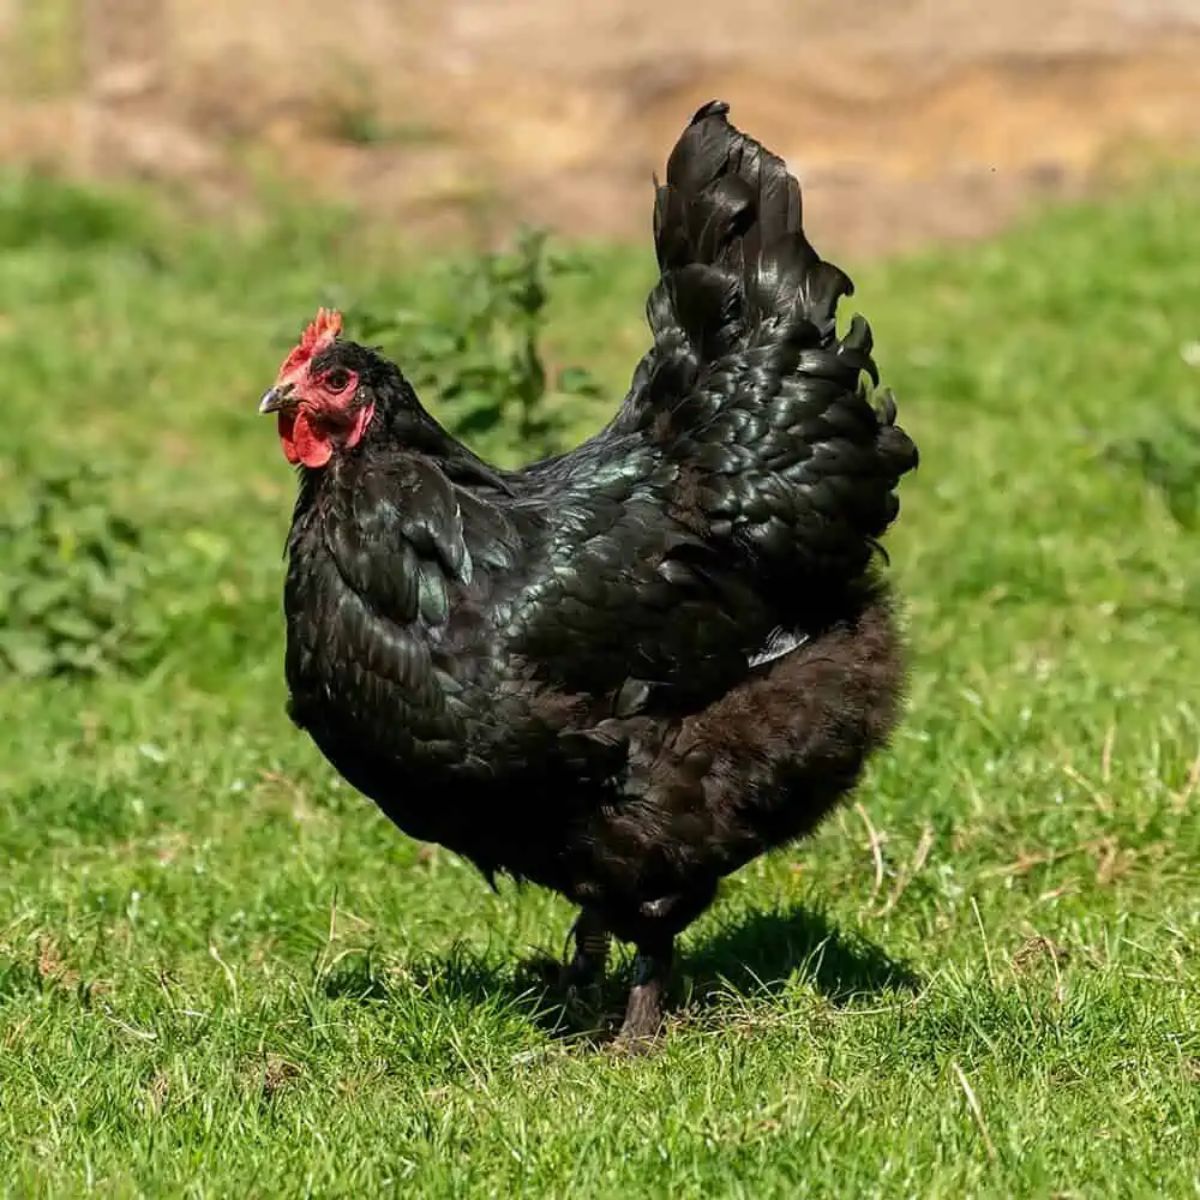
column 223, row 973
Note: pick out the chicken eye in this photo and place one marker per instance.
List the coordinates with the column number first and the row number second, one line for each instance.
column 337, row 379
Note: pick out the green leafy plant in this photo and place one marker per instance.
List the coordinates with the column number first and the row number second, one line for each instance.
column 485, row 360
column 71, row 571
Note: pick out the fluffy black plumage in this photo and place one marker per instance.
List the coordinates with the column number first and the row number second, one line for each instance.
column 623, row 672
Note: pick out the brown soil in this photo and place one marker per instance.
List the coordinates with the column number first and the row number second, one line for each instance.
column 908, row 120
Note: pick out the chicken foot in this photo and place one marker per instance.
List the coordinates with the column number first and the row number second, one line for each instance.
column 584, row 973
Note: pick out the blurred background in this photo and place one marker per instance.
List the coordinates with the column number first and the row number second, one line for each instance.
column 908, row 119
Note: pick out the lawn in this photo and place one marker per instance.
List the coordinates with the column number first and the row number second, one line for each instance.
column 224, row 973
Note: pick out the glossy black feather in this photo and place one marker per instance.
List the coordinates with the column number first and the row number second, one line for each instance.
column 624, row 671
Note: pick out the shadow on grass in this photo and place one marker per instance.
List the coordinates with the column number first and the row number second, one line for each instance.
column 765, row 951
column 761, row 955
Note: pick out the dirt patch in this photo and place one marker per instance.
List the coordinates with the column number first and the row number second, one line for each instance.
column 908, row 120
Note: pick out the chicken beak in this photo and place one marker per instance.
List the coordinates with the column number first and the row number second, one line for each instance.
column 275, row 399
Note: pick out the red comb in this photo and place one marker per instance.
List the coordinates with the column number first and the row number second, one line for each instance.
column 322, row 329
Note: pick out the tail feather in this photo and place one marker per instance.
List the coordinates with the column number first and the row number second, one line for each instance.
column 748, row 383
column 729, row 203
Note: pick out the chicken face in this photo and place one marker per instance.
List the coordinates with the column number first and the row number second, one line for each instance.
column 317, row 396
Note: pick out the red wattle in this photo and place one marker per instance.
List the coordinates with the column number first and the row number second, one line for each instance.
column 287, row 436
column 301, row 443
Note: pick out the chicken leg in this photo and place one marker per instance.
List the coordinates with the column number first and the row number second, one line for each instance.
column 585, row 971
column 644, row 1011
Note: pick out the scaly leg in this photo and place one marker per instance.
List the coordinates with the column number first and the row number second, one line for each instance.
column 644, row 1012
column 588, row 963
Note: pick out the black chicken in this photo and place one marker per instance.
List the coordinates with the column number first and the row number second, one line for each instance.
column 625, row 671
